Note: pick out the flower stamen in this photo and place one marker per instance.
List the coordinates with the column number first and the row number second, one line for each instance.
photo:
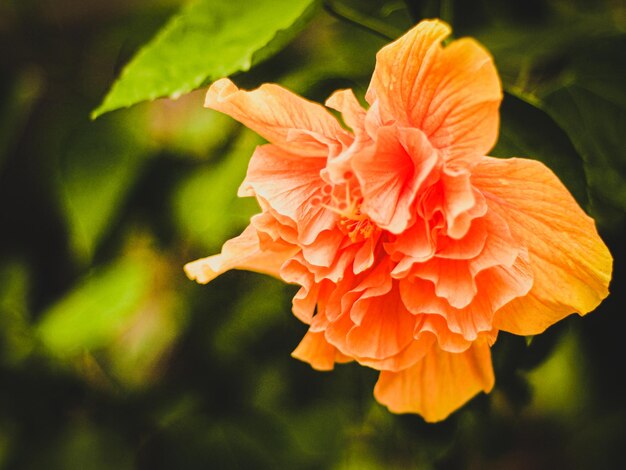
column 346, row 202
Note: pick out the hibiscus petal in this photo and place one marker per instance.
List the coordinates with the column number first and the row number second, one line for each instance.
column 273, row 112
column 374, row 283
column 303, row 303
column 305, row 300
column 340, row 267
column 500, row 249
column 570, row 263
column 292, row 186
column 391, row 176
column 413, row 353
column 447, row 340
column 364, row 257
column 242, row 252
column 451, row 93
column 452, row 278
column 438, row 384
column 315, row 350
column 324, row 250
column 454, row 327
column 497, row 286
column 354, row 116
column 468, row 247
column 351, row 110
column 270, row 229
column 459, row 198
column 337, row 331
column 384, row 329
column 419, row 296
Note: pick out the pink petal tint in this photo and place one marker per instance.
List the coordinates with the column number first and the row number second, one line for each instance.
column 411, row 247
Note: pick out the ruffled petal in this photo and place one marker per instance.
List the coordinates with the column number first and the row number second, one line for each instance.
column 340, row 267
column 292, row 186
column 305, row 300
column 452, row 279
column 315, row 350
column 438, row 384
column 500, row 249
column 351, row 110
column 419, row 297
column 384, row 326
column 447, row 340
column 242, row 252
column 416, row 243
column 495, row 287
column 468, row 247
column 270, row 229
column 459, row 198
column 365, row 256
column 451, row 93
column 303, row 303
column 274, row 113
column 354, row 116
column 413, row 353
column 570, row 263
column 392, row 176
column 324, row 249
column 374, row 283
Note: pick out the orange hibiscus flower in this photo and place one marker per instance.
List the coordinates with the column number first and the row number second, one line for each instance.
column 411, row 247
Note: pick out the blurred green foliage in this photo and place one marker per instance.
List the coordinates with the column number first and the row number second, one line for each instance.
column 109, row 297
column 110, row 158
column 111, row 358
column 215, row 187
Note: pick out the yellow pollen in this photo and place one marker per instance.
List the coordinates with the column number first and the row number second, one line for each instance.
column 357, row 229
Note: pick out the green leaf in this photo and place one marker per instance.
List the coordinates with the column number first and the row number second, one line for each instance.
column 587, row 99
column 596, row 127
column 538, row 43
column 208, row 39
column 92, row 315
column 96, row 171
column 575, row 73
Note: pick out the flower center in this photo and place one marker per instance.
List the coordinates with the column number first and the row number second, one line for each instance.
column 345, row 200
column 357, row 226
